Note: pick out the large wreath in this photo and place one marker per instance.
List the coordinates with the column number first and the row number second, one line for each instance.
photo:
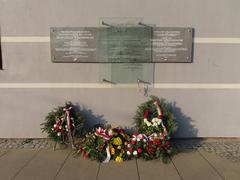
column 64, row 124
column 149, row 120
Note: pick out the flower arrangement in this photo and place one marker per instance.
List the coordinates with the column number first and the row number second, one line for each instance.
column 64, row 124
column 151, row 141
column 136, row 147
column 118, row 144
column 154, row 122
column 103, row 145
column 155, row 116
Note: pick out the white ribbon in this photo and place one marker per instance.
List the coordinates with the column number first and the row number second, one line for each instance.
column 108, row 155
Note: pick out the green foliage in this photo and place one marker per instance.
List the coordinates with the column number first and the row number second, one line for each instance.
column 58, row 112
column 169, row 119
column 93, row 147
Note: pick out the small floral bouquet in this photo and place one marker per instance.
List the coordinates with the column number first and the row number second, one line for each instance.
column 136, row 147
column 94, row 146
column 103, row 145
column 158, row 148
column 118, row 144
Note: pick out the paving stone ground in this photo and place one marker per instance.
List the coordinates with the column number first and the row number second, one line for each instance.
column 23, row 159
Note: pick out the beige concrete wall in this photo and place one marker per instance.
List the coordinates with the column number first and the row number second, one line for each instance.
column 207, row 106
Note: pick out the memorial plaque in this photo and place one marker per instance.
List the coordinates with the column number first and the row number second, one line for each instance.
column 72, row 44
column 121, row 44
column 102, row 44
column 172, row 44
column 126, row 44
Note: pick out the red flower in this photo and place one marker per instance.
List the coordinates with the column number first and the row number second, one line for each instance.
column 85, row 155
column 133, row 142
column 139, row 150
column 150, row 150
column 130, row 150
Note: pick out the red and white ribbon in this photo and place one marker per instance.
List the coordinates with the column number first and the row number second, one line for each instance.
column 102, row 133
column 160, row 116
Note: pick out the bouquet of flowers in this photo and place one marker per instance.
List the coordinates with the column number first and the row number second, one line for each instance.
column 137, row 146
column 118, row 144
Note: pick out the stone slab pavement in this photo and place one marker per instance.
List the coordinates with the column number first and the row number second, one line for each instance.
column 46, row 164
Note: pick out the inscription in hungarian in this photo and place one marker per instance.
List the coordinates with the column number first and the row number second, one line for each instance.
column 121, row 44
column 172, row 44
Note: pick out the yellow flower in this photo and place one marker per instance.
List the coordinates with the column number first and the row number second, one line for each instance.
column 119, row 147
column 117, row 141
column 119, row 159
column 112, row 151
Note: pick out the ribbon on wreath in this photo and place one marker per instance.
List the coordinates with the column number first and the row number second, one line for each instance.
column 69, row 124
column 102, row 133
column 138, row 137
column 160, row 117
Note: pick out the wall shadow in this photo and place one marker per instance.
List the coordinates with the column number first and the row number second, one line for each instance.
column 92, row 120
column 185, row 139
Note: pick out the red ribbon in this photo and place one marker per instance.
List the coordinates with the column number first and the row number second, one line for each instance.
column 160, row 111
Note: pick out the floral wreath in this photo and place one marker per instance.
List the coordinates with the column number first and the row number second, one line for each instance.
column 64, row 124
column 151, row 141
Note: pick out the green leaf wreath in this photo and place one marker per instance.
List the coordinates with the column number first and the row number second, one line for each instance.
column 59, row 132
column 169, row 119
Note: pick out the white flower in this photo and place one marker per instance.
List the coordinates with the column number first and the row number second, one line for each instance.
column 153, row 120
column 138, row 139
column 110, row 133
column 54, row 125
column 155, row 134
column 52, row 129
column 59, row 133
column 128, row 153
column 144, row 140
column 135, row 153
column 148, row 124
column 129, row 145
column 60, row 127
column 66, row 126
column 145, row 120
column 140, row 136
column 72, row 118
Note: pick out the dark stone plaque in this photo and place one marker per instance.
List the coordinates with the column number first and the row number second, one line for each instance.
column 172, row 44
column 71, row 44
column 121, row 44
column 110, row 44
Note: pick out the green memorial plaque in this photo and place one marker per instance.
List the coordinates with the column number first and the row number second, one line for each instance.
column 126, row 44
